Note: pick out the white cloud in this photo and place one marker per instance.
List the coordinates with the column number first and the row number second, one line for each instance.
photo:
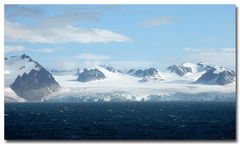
column 228, row 50
column 12, row 48
column 21, row 11
column 223, row 57
column 83, row 60
column 192, row 50
column 91, row 56
column 68, row 63
column 64, row 64
column 71, row 17
column 17, row 32
column 157, row 21
column 44, row 50
column 89, row 60
column 73, row 64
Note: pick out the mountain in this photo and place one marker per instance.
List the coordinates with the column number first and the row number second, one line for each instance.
column 184, row 68
column 111, row 69
column 203, row 67
column 143, row 73
column 147, row 75
column 90, row 75
column 28, row 79
column 179, row 69
column 217, row 76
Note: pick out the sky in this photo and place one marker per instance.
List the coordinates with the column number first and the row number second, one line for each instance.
column 125, row 36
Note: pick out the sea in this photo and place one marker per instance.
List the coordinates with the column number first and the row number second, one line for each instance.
column 121, row 121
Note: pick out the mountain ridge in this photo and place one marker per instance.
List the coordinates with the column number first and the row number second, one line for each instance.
column 24, row 74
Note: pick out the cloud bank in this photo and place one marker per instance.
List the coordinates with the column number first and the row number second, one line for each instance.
column 88, row 60
column 222, row 57
column 16, row 32
column 44, row 50
column 13, row 48
column 18, row 48
column 91, row 56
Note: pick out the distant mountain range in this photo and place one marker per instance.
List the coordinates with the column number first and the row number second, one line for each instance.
column 111, row 69
column 213, row 75
column 182, row 69
column 29, row 80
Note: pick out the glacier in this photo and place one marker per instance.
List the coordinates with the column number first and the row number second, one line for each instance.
column 123, row 87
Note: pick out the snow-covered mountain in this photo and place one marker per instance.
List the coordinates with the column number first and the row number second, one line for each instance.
column 90, row 75
column 217, row 76
column 143, row 73
column 132, row 87
column 151, row 74
column 179, row 69
column 111, row 69
column 203, row 67
column 27, row 78
column 184, row 68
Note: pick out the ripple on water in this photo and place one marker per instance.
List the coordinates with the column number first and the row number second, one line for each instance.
column 171, row 116
column 68, row 121
column 183, row 126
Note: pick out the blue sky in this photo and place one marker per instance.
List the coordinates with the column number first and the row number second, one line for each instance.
column 70, row 36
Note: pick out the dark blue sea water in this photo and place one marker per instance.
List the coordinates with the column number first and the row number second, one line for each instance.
column 121, row 121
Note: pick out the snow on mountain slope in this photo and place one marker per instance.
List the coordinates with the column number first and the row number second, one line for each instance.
column 194, row 67
column 179, row 69
column 112, row 79
column 16, row 66
column 111, row 69
column 175, row 78
column 217, row 76
column 188, row 68
column 11, row 96
column 27, row 78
